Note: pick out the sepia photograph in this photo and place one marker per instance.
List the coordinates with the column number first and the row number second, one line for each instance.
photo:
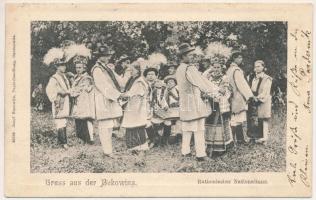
column 158, row 100
column 158, row 96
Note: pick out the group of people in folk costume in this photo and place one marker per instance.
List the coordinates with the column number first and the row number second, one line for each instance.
column 219, row 107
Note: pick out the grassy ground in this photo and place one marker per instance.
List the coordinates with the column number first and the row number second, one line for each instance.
column 48, row 157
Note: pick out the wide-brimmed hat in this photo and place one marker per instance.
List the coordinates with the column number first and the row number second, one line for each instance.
column 185, row 48
column 150, row 69
column 103, row 50
column 170, row 77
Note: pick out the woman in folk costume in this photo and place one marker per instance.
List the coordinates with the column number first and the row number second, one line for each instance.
column 135, row 112
column 218, row 131
column 172, row 124
column 260, row 110
column 193, row 110
column 58, row 90
column 82, row 93
column 107, row 93
column 241, row 96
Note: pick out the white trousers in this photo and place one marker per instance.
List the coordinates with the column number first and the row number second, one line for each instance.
column 238, row 119
column 60, row 123
column 265, row 130
column 105, row 133
column 199, row 141
column 90, row 129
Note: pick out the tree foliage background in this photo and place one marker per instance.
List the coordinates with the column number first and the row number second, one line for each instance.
column 257, row 40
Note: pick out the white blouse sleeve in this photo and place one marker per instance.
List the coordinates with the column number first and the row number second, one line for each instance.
column 52, row 89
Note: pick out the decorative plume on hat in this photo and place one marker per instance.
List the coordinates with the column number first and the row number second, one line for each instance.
column 217, row 50
column 156, row 59
column 79, row 52
column 54, row 56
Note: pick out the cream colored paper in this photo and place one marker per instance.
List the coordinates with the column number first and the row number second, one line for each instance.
column 294, row 182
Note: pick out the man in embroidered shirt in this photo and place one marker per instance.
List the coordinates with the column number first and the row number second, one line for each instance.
column 241, row 95
column 58, row 90
column 193, row 110
column 107, row 93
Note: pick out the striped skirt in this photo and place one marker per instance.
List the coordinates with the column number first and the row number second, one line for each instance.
column 218, row 134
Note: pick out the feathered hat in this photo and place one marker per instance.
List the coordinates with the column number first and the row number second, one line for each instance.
column 55, row 57
column 198, row 55
column 217, row 51
column 78, row 52
column 153, row 63
column 155, row 60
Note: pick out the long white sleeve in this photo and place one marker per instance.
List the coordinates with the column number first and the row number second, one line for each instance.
column 242, row 84
column 101, row 83
column 52, row 89
column 196, row 79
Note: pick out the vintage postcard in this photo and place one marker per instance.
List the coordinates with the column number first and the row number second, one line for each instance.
column 158, row 100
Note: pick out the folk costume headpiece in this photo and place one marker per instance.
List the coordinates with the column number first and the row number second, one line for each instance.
column 79, row 53
column 55, row 57
column 153, row 63
column 155, row 60
column 217, row 52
